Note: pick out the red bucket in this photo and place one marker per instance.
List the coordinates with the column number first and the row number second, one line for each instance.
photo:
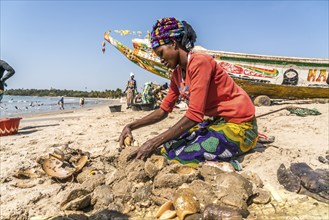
column 9, row 126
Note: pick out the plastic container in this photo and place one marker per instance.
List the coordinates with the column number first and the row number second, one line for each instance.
column 136, row 107
column 115, row 108
column 147, row 107
column 9, row 126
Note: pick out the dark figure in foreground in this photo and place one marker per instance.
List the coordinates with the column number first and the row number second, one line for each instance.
column 208, row 90
column 4, row 66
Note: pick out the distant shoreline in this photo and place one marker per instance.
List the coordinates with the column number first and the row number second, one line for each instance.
column 59, row 114
column 28, row 106
column 54, row 112
column 64, row 114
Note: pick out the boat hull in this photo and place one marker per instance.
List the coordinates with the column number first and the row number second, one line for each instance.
column 282, row 91
column 273, row 76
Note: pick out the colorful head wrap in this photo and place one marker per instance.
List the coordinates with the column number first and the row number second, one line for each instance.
column 167, row 29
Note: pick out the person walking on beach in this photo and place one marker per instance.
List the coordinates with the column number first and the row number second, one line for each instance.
column 4, row 66
column 131, row 90
column 82, row 101
column 209, row 91
column 61, row 103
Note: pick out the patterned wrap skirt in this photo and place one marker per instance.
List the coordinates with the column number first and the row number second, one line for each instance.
column 130, row 96
column 212, row 140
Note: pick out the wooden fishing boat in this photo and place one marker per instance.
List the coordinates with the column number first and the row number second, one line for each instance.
column 274, row 77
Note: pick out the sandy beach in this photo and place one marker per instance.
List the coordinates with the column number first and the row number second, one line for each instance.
column 96, row 130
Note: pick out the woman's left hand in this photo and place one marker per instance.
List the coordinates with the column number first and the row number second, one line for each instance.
column 144, row 151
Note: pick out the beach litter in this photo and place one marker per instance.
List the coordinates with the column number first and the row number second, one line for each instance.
column 301, row 178
column 299, row 111
column 213, row 211
column 63, row 163
column 264, row 139
column 324, row 159
column 303, row 112
column 27, row 173
column 26, row 178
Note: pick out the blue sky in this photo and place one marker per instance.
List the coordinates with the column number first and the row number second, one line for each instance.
column 58, row 43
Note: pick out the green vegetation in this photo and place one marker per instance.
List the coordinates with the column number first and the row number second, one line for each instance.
column 69, row 93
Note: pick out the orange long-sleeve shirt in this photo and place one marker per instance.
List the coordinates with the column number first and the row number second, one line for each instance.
column 209, row 91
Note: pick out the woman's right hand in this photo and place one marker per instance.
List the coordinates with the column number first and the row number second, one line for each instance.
column 156, row 116
column 126, row 132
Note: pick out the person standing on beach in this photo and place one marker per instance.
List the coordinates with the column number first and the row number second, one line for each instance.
column 4, row 66
column 131, row 90
column 61, row 103
column 209, row 91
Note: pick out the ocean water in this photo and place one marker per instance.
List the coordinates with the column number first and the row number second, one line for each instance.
column 11, row 106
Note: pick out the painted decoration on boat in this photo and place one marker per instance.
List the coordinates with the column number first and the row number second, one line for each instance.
column 248, row 70
column 142, row 55
column 287, row 75
column 278, row 77
column 313, row 77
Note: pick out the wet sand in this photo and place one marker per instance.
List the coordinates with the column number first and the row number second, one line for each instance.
column 96, row 130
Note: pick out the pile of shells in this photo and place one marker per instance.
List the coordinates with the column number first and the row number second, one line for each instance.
column 155, row 188
column 159, row 189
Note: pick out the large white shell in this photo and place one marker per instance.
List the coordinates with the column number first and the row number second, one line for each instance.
column 185, row 203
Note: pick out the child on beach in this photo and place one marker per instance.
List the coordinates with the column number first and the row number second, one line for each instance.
column 231, row 128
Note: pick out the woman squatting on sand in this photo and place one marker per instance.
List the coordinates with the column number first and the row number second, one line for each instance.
column 229, row 130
